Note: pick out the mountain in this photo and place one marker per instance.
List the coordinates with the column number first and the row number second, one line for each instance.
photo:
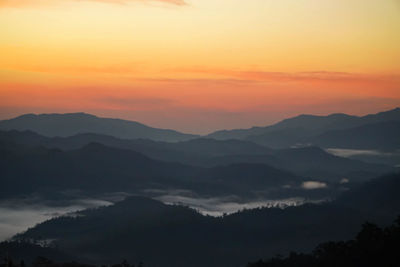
column 164, row 235
column 377, row 196
column 27, row 252
column 75, row 123
column 382, row 136
column 205, row 152
column 92, row 168
column 200, row 147
column 301, row 129
column 311, row 162
column 316, row 162
column 96, row 168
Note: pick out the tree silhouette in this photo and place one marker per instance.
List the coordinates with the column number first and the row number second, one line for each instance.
column 373, row 246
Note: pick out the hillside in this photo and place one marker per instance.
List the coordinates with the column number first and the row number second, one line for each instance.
column 141, row 228
column 76, row 123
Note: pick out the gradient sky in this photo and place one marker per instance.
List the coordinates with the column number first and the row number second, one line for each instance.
column 199, row 65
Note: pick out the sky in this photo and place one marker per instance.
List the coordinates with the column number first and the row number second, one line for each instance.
column 199, row 65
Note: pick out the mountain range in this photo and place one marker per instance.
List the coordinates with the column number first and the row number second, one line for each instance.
column 142, row 229
column 49, row 156
column 377, row 131
column 75, row 123
column 327, row 131
column 201, row 165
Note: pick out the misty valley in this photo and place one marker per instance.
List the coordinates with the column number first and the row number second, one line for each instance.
column 84, row 190
column 199, row 133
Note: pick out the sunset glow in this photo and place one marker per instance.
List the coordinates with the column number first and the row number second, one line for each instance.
column 199, row 65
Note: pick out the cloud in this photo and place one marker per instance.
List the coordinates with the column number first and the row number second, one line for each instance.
column 311, row 185
column 34, row 3
column 348, row 153
column 305, row 76
column 216, row 206
column 17, row 215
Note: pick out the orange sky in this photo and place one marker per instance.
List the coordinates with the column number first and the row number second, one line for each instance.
column 199, row 65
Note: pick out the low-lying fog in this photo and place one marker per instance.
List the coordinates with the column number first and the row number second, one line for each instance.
column 226, row 205
column 341, row 152
column 17, row 215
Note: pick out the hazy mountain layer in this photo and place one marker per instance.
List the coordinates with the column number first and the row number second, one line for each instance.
column 308, row 161
column 307, row 129
column 75, row 123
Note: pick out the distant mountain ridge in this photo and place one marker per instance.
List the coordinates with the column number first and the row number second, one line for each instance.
column 302, row 129
column 308, row 129
column 206, row 152
column 383, row 135
column 312, row 122
column 95, row 168
column 69, row 124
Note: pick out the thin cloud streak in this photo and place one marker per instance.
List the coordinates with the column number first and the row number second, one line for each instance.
column 305, row 76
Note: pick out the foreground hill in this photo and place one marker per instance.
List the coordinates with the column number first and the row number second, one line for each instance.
column 161, row 235
column 372, row 246
column 75, row 123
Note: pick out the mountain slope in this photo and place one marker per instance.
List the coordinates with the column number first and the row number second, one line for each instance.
column 382, row 135
column 100, row 169
column 162, row 235
column 307, row 161
column 93, row 168
column 76, row 123
column 299, row 129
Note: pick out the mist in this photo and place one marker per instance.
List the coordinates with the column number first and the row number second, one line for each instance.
column 18, row 215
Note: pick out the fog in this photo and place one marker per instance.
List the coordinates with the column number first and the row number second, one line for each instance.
column 311, row 185
column 226, row 205
column 356, row 152
column 18, row 215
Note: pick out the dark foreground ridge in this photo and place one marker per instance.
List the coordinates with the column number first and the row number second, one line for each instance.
column 142, row 229
column 373, row 246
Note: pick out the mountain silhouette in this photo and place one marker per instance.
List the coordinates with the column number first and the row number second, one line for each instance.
column 97, row 168
column 75, row 123
column 159, row 234
column 303, row 128
column 204, row 152
column 382, row 135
